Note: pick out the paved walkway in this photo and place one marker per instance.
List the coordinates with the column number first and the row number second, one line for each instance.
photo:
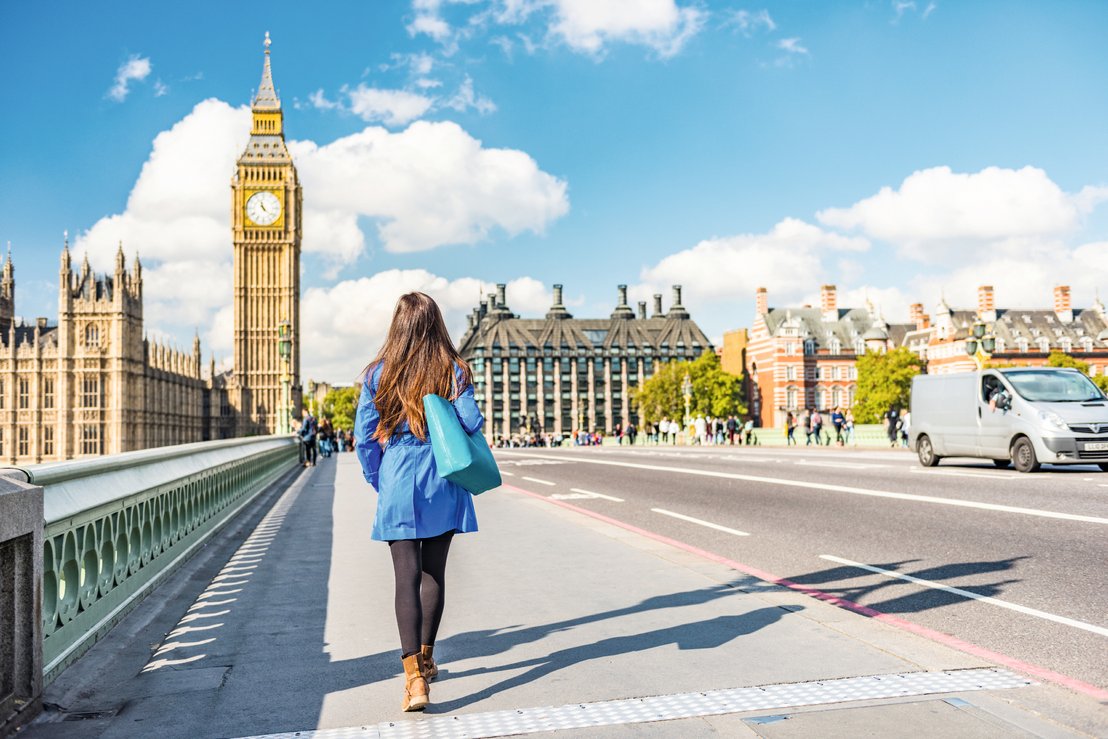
column 553, row 621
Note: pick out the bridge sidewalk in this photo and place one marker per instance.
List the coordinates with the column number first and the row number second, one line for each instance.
column 285, row 624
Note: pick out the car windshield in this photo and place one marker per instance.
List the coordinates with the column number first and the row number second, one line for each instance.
column 1054, row 387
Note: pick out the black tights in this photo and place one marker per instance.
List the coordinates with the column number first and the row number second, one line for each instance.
column 420, row 569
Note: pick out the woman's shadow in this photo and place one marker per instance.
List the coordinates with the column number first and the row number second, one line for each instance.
column 708, row 634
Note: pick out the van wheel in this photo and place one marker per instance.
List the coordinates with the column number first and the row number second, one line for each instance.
column 1002, row 463
column 926, row 452
column 1023, row 455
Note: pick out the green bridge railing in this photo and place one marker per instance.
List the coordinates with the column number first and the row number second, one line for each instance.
column 116, row 526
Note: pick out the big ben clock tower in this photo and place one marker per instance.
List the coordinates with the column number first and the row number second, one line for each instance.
column 265, row 215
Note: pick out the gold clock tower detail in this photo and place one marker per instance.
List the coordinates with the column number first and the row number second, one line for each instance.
column 265, row 215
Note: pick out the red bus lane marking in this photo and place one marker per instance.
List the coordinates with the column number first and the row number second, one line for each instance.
column 937, row 636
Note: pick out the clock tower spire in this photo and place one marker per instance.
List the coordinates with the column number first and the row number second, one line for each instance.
column 266, row 206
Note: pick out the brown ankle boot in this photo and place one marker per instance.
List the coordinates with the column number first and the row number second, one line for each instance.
column 430, row 669
column 416, row 693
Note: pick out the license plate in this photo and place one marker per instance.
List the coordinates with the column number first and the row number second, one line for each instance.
column 1097, row 446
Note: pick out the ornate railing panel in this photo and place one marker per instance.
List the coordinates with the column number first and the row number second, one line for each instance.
column 115, row 526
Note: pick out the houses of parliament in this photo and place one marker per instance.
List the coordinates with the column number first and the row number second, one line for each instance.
column 94, row 384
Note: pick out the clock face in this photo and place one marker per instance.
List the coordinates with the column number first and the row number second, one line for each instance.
column 263, row 208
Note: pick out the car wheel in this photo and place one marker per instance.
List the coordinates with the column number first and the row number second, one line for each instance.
column 1002, row 463
column 926, row 452
column 1103, row 466
column 1023, row 455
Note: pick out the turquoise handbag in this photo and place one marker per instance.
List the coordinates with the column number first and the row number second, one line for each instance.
column 462, row 458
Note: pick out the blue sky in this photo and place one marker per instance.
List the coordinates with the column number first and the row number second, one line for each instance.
column 899, row 150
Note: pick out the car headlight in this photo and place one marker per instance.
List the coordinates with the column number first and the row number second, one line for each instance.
column 1052, row 420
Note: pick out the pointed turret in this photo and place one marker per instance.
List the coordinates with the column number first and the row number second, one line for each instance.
column 7, row 291
column 67, row 261
column 266, row 106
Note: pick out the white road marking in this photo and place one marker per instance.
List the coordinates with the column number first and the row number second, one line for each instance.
column 969, row 594
column 541, row 482
column 949, row 473
column 709, row 524
column 509, row 474
column 843, row 465
column 597, row 495
column 853, row 490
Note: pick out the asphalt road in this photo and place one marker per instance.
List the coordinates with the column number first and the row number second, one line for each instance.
column 1036, row 543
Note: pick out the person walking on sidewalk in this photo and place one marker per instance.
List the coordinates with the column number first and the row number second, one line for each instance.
column 309, row 429
column 418, row 512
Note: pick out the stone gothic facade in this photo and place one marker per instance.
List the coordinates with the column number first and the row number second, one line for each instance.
column 95, row 384
column 92, row 384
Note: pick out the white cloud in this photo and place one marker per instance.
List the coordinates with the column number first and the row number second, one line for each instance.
column 430, row 185
column 748, row 22
column 391, row 107
column 1022, row 278
column 730, row 268
column 160, row 88
column 792, row 46
column 465, row 98
column 320, row 101
column 936, row 213
column 135, row 69
column 338, row 350
column 587, row 25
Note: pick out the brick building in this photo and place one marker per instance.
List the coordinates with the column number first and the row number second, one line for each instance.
column 804, row 357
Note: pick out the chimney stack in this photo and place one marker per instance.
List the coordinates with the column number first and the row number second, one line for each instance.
column 677, row 310
column 1063, row 307
column 623, row 310
column 558, row 310
column 658, row 312
column 761, row 301
column 469, row 319
column 501, row 293
column 986, row 304
column 916, row 316
column 829, row 303
column 642, row 309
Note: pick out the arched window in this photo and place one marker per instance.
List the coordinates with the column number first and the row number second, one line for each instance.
column 92, row 335
column 790, row 398
column 836, row 397
column 1086, row 343
column 1067, row 344
column 1044, row 344
column 850, row 395
column 809, row 347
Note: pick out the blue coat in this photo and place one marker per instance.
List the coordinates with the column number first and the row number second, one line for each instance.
column 413, row 502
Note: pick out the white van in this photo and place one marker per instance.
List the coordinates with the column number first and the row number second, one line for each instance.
column 1027, row 416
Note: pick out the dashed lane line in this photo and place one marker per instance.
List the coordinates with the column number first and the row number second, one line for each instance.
column 848, row 489
column 949, row 473
column 541, row 482
column 698, row 521
column 509, row 474
column 969, row 594
column 612, row 498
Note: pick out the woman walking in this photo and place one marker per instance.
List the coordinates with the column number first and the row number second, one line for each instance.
column 418, row 512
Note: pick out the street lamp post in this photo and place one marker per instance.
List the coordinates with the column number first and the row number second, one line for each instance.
column 284, row 348
column 686, row 390
column 981, row 343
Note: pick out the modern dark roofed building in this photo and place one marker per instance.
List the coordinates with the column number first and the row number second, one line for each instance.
column 560, row 373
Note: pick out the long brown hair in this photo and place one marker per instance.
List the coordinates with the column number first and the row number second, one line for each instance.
column 416, row 359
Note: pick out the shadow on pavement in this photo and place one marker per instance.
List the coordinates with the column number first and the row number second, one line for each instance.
column 708, row 634
column 915, row 602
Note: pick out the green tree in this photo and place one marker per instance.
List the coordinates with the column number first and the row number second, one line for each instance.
column 1061, row 359
column 340, row 405
column 884, row 380
column 714, row 392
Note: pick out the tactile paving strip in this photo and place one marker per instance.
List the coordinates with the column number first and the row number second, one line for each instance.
column 675, row 706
